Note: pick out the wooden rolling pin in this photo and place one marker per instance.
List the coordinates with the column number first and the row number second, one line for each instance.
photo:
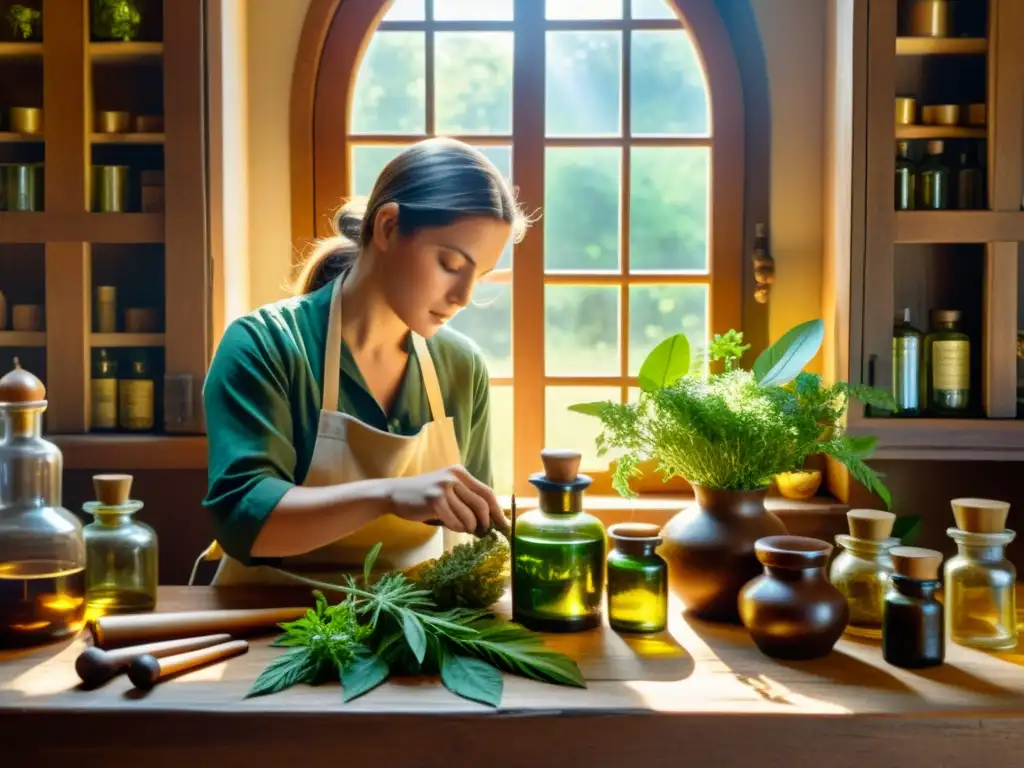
column 131, row 629
column 147, row 670
column 96, row 666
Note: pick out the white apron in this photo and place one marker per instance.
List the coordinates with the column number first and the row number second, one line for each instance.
column 348, row 450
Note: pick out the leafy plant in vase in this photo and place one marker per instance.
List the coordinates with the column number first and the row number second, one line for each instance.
column 26, row 23
column 115, row 20
column 728, row 433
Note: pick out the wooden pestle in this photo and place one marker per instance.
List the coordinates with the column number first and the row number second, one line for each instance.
column 147, row 670
column 96, row 666
column 128, row 629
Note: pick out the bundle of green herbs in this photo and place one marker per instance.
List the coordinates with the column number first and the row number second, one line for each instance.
column 390, row 625
column 722, row 427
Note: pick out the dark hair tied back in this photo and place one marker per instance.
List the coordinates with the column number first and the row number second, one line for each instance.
column 434, row 183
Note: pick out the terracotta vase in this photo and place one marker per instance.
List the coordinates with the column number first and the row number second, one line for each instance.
column 709, row 548
column 791, row 610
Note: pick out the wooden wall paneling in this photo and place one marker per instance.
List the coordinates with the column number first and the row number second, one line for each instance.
column 1006, row 105
column 186, row 256
column 999, row 350
column 68, row 281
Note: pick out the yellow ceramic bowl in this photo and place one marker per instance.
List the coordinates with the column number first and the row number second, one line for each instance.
column 799, row 485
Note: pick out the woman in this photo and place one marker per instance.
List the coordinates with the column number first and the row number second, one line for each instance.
column 350, row 414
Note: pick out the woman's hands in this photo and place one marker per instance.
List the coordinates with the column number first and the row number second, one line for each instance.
column 452, row 496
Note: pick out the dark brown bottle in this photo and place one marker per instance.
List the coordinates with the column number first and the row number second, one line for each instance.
column 913, row 630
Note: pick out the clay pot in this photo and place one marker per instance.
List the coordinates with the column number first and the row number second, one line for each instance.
column 791, row 610
column 709, row 548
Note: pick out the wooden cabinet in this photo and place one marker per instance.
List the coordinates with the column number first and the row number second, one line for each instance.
column 886, row 256
column 123, row 205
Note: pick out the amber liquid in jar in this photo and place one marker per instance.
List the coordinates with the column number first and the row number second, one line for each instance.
column 40, row 600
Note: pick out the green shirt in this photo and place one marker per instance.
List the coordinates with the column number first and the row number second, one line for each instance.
column 262, row 398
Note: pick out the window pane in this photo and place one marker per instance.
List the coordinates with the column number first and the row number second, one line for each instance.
column 501, row 156
column 584, row 9
column 668, row 209
column 581, row 330
column 368, row 160
column 565, row 429
column 488, row 321
column 405, row 10
column 473, row 10
column 582, row 200
column 658, row 311
column 502, row 439
column 651, row 9
column 473, row 82
column 391, row 86
column 583, row 74
column 669, row 95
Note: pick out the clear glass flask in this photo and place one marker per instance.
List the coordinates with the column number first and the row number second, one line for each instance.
column 980, row 590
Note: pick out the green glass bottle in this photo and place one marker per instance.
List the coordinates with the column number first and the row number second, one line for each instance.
column 947, row 364
column 907, row 382
column 933, row 179
column 558, row 552
column 637, row 579
column 905, row 178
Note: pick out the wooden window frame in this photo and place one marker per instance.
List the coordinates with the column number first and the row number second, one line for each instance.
column 334, row 38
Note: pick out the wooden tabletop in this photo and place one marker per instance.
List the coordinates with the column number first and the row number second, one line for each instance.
column 700, row 685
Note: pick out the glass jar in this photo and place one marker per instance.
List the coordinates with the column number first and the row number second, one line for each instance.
column 980, row 590
column 947, row 364
column 637, row 579
column 121, row 552
column 558, row 553
column 42, row 554
column 905, row 179
column 861, row 573
column 933, row 179
column 913, row 628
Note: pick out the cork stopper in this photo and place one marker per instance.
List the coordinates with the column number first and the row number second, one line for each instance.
column 980, row 515
column 20, row 386
column 916, row 563
column 871, row 524
column 112, row 490
column 561, row 465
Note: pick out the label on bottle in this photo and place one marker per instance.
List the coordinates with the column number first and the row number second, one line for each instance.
column 104, row 403
column 136, row 404
column 951, row 365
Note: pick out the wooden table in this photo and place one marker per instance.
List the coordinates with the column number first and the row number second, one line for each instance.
column 699, row 695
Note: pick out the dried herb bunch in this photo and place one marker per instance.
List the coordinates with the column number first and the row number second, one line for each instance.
column 472, row 575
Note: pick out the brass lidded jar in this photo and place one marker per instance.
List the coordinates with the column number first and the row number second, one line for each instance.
column 42, row 552
column 637, row 579
column 558, row 552
column 980, row 582
column 121, row 551
column 861, row 569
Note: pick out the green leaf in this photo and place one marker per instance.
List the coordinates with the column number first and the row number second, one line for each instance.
column 786, row 358
column 371, row 558
column 363, row 675
column 590, row 409
column 288, row 669
column 906, row 528
column 471, row 678
column 416, row 638
column 667, row 363
column 513, row 648
column 861, row 446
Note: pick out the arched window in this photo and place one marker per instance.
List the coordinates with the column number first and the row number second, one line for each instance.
column 620, row 121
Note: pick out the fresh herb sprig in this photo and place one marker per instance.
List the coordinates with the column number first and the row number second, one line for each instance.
column 394, row 626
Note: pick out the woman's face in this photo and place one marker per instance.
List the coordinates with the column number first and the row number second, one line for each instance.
column 431, row 273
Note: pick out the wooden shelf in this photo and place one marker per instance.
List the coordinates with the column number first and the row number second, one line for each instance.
column 43, row 227
column 126, row 340
column 21, row 50
column 131, row 452
column 22, row 338
column 940, row 46
column 126, row 52
column 911, row 132
column 944, row 439
column 128, row 138
column 9, row 137
column 959, row 226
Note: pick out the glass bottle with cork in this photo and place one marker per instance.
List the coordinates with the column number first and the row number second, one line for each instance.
column 136, row 389
column 947, row 364
column 933, row 179
column 980, row 582
column 862, row 568
column 907, row 382
column 913, row 629
column 637, row 579
column 558, row 560
column 906, row 180
column 121, row 551
column 42, row 551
